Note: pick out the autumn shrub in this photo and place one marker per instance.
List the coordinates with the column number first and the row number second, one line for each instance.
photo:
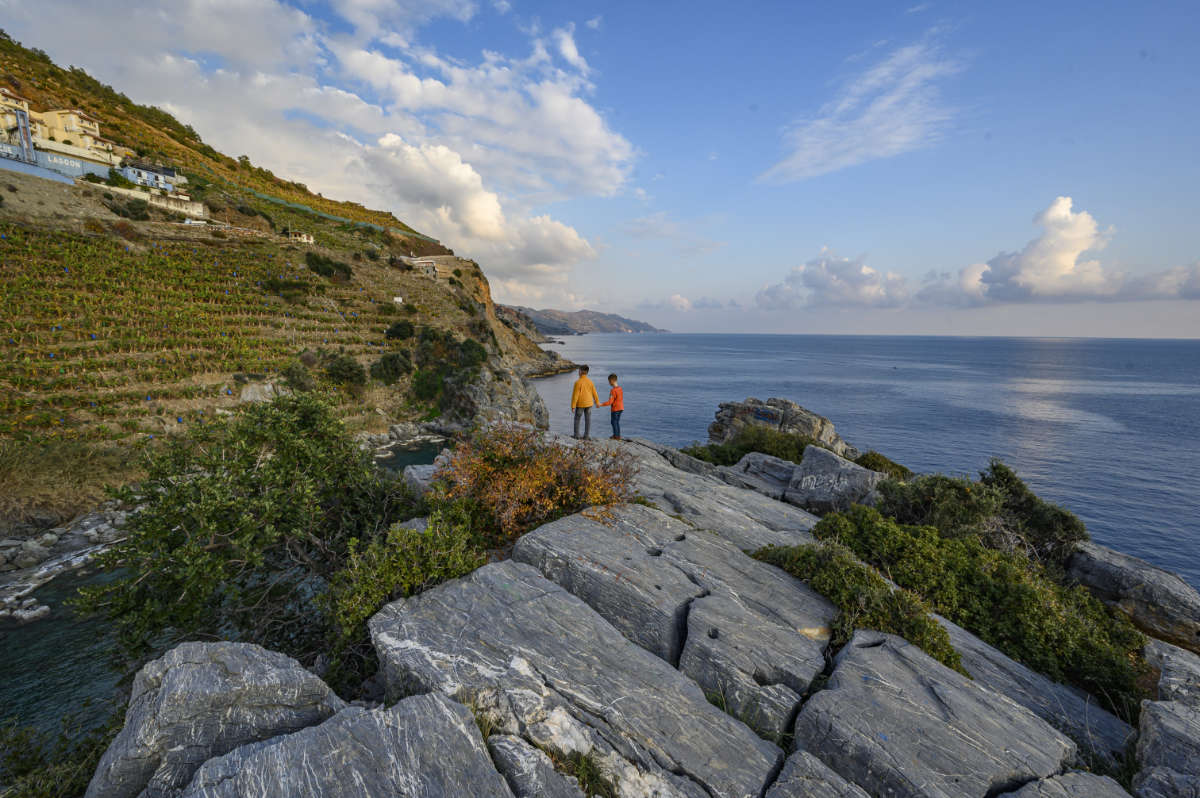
column 1005, row 598
column 864, row 599
column 516, row 479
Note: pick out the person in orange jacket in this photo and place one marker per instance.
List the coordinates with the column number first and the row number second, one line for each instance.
column 583, row 399
column 615, row 405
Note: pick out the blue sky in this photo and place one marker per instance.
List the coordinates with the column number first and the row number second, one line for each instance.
column 911, row 167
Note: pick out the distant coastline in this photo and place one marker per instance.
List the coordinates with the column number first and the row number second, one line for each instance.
column 549, row 322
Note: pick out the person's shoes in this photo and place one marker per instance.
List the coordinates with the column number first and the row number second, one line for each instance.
column 615, row 438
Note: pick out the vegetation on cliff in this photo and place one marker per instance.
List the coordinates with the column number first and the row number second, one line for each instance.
column 784, row 445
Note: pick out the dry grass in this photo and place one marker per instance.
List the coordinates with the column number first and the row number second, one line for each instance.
column 55, row 480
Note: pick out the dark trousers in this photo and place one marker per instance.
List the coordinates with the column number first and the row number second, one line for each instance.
column 586, row 414
column 615, row 418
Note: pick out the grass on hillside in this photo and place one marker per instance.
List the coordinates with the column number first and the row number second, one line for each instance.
column 54, row 480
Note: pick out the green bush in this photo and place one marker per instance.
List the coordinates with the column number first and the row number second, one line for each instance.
column 864, row 599
column 243, row 523
column 400, row 331
column 34, row 764
column 298, row 377
column 877, row 462
column 328, row 267
column 753, row 438
column 345, row 370
column 1048, row 529
column 427, row 384
column 1006, row 599
column 391, row 367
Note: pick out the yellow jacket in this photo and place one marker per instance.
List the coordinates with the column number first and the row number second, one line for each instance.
column 584, row 394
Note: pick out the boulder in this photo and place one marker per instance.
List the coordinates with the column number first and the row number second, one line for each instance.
column 1158, row 601
column 1169, row 737
column 824, row 482
column 495, row 396
column 750, row 635
column 423, row 747
column 1067, row 709
column 745, row 518
column 405, row 431
column 419, row 478
column 777, row 414
column 418, row 524
column 544, row 666
column 261, row 392
column 1071, row 785
column 1179, row 670
column 805, row 776
column 1165, row 783
column 898, row 723
column 768, row 475
column 528, row 771
column 201, row 700
column 30, row 554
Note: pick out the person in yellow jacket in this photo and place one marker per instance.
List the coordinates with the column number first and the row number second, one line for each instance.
column 583, row 399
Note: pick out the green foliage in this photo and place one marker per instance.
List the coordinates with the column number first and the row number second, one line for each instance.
column 427, row 384
column 877, row 462
column 753, row 438
column 445, row 364
column 115, row 178
column 243, row 523
column 391, row 367
column 1005, row 598
column 290, row 290
column 864, row 599
column 400, row 331
column 298, row 377
column 345, row 370
column 136, row 209
column 328, row 267
column 1051, row 531
column 56, row 477
column 36, row 765
column 587, row 772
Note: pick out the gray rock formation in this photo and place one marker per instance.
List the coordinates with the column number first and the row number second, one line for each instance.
column 745, row 518
column 1071, row 785
column 201, row 700
column 1065, row 708
column 805, row 776
column 824, row 482
column 261, row 392
column 750, row 635
column 898, row 723
column 546, row 667
column 528, row 771
column 496, row 395
column 1169, row 738
column 1165, row 783
column 778, row 414
column 1179, row 678
column 1158, row 601
column 423, row 747
column 768, row 475
column 419, row 478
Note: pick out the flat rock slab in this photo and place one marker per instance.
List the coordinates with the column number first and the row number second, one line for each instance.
column 898, row 723
column 805, row 776
column 1170, row 737
column 1180, row 672
column 1157, row 601
column 546, row 667
column 745, row 518
column 1165, row 783
column 423, row 747
column 1071, row 711
column 768, row 475
column 825, row 483
column 201, row 700
column 750, row 635
column 528, row 771
column 1071, row 785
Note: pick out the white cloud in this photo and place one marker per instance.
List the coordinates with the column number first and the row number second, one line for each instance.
column 830, row 280
column 891, row 108
column 918, row 8
column 595, row 22
column 564, row 39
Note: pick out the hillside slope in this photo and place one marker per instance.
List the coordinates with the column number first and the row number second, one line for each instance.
column 566, row 322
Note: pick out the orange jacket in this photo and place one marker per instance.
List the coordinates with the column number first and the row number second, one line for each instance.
column 584, row 394
column 616, row 398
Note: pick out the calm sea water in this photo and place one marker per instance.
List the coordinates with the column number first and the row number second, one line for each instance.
column 1110, row 429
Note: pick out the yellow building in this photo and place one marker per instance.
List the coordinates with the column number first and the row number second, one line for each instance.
column 70, row 131
column 10, row 103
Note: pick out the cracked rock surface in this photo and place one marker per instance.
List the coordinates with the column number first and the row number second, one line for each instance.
column 805, row 776
column 546, row 667
column 1070, row 785
column 898, row 723
column 750, row 635
column 423, row 747
column 201, row 700
column 528, row 771
column 1170, row 737
column 825, row 483
column 1180, row 672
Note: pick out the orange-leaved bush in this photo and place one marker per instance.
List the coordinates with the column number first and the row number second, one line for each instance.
column 515, row 478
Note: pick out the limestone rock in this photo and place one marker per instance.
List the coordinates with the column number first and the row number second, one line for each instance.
column 1158, row 601
column 1165, row 783
column 528, row 771
column 1069, row 710
column 768, row 475
column 750, row 635
column 30, row 554
column 1071, row 785
column 898, row 723
column 423, row 747
column 805, row 776
column 778, row 414
column 1180, row 673
column 825, row 482
column 419, row 478
column 261, row 392
column 201, row 700
column 405, row 431
column 546, row 667
column 418, row 524
column 1170, row 737
column 496, row 396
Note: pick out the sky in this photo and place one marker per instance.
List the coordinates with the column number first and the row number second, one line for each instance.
column 914, row 167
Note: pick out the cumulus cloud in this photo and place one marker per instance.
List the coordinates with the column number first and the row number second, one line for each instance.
column 830, row 279
column 462, row 150
column 891, row 108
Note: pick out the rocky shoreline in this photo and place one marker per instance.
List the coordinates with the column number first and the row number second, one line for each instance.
column 645, row 643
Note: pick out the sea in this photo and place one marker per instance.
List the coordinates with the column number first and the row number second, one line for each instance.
column 1109, row 429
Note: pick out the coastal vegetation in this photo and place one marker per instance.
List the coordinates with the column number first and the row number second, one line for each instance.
column 784, row 445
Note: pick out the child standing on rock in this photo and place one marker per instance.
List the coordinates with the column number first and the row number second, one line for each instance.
column 616, row 405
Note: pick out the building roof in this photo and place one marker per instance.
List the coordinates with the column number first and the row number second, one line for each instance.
column 13, row 95
column 76, row 111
